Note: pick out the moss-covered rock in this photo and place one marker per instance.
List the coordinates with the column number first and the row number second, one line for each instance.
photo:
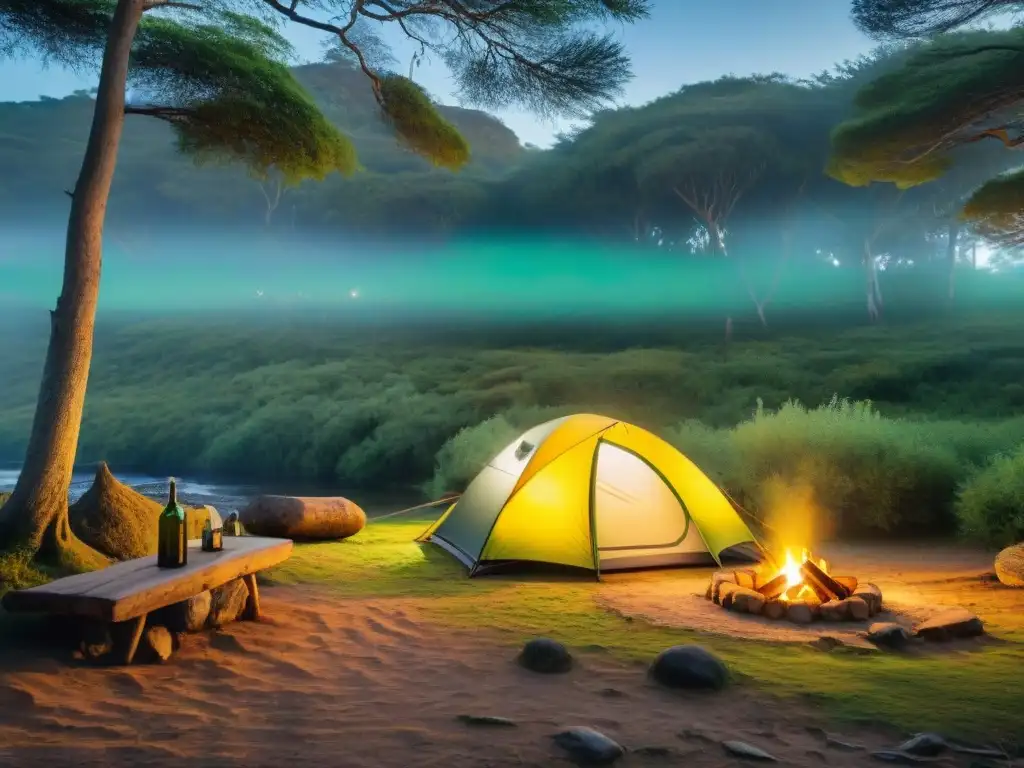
column 119, row 521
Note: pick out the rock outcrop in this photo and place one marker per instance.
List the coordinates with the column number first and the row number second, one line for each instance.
column 119, row 521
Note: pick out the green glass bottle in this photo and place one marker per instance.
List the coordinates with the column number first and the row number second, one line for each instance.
column 172, row 538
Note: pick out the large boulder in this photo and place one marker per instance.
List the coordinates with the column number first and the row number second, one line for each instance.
column 119, row 521
column 303, row 517
column 1009, row 565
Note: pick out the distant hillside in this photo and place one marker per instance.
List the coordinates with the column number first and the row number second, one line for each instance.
column 42, row 142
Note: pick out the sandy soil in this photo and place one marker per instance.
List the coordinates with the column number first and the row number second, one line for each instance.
column 916, row 583
column 359, row 683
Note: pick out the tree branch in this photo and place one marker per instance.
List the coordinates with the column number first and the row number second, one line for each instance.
column 169, row 114
column 170, row 4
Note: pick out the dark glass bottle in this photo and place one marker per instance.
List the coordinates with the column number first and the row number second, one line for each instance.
column 172, row 539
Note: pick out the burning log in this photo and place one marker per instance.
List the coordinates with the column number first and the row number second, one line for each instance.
column 850, row 582
column 824, row 585
column 774, row 588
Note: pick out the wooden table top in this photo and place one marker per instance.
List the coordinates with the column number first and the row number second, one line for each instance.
column 129, row 589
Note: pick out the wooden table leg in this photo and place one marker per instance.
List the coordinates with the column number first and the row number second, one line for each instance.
column 137, row 625
column 252, row 603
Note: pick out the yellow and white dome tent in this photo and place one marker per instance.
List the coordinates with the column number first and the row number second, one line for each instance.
column 592, row 492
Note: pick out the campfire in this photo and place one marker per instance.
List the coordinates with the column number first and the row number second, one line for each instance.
column 799, row 590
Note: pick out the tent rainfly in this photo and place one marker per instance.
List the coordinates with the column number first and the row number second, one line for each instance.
column 591, row 492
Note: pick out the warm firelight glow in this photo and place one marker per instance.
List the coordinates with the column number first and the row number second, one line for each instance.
column 791, row 570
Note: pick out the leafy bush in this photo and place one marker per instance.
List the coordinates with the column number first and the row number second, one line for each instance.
column 462, row 457
column 990, row 505
column 865, row 472
column 17, row 571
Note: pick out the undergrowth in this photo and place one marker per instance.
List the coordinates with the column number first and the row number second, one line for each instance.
column 865, row 472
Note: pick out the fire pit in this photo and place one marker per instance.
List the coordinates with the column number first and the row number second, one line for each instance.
column 800, row 591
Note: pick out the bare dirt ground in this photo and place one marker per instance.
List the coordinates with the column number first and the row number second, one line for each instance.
column 330, row 682
column 917, row 582
column 358, row 682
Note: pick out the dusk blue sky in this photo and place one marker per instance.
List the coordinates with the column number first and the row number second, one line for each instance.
column 683, row 41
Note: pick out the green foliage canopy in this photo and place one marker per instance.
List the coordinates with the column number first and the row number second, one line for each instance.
column 911, row 123
column 920, row 18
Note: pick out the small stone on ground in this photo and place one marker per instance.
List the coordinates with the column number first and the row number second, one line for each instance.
column 690, row 667
column 747, row 751
column 888, row 634
column 545, row 656
column 487, row 721
column 924, row 745
column 158, row 644
column 588, row 746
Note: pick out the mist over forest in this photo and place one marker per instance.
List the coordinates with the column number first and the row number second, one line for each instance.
column 701, row 265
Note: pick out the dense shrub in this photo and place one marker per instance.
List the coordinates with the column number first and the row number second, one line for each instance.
column 864, row 471
column 368, row 408
column 462, row 457
column 990, row 505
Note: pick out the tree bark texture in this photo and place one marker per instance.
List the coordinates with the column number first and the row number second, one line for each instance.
column 36, row 515
column 951, row 249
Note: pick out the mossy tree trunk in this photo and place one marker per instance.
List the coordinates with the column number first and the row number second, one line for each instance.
column 36, row 515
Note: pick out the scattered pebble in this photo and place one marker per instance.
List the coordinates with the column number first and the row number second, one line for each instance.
column 588, row 745
column 835, row 743
column 826, row 643
column 888, row 634
column 691, row 667
column 545, row 656
column 904, row 758
column 747, row 751
column 158, row 643
column 487, row 720
column 924, row 745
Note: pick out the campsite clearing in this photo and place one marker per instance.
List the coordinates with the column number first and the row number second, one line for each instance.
column 391, row 634
column 912, row 693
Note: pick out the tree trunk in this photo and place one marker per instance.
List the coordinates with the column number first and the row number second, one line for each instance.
column 873, row 290
column 951, row 244
column 36, row 515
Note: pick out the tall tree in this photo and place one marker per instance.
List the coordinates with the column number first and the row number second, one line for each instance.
column 217, row 74
column 914, row 124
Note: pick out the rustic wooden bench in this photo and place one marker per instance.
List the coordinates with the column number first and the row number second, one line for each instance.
column 128, row 591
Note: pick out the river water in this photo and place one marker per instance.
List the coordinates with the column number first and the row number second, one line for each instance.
column 226, row 497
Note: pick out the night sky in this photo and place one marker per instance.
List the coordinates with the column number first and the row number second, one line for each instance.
column 684, row 41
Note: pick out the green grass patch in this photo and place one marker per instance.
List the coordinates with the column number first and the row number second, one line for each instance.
column 969, row 695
